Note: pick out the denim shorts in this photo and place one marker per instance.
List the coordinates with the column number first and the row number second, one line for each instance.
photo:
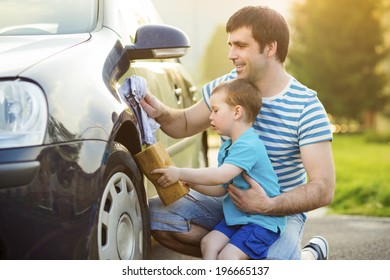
column 205, row 211
column 252, row 239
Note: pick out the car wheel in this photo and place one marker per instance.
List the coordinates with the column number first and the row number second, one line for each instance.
column 122, row 229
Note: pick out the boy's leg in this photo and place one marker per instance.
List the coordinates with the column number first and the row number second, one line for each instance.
column 212, row 244
column 231, row 252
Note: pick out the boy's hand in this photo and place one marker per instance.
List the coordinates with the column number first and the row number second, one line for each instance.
column 169, row 176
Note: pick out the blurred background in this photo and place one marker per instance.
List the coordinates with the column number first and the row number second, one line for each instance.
column 340, row 48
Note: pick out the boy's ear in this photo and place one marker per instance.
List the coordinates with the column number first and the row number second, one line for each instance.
column 238, row 112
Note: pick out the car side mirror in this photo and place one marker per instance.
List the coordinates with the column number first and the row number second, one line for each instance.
column 158, row 41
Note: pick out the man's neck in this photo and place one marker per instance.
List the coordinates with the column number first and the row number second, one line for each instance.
column 274, row 82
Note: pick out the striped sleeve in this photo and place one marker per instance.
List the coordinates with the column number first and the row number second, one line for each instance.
column 314, row 123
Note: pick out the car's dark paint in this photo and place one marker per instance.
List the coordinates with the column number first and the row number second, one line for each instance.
column 50, row 194
column 38, row 219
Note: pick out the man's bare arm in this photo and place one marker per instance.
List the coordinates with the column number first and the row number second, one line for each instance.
column 317, row 192
column 175, row 122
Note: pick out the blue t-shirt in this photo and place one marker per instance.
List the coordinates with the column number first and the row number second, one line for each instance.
column 248, row 152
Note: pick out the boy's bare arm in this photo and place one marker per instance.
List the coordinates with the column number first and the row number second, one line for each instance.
column 209, row 176
column 218, row 190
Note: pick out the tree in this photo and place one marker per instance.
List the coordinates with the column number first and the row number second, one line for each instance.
column 336, row 48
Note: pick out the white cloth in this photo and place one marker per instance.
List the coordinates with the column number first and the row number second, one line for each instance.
column 135, row 88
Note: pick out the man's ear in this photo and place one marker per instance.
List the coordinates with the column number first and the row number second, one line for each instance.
column 271, row 49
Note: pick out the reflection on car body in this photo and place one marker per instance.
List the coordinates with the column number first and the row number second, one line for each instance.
column 69, row 187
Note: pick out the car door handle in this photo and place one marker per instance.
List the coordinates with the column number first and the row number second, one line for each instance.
column 193, row 91
column 178, row 92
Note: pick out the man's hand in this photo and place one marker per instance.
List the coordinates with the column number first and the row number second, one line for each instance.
column 152, row 106
column 253, row 200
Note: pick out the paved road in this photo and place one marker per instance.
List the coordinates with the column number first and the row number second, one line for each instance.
column 350, row 238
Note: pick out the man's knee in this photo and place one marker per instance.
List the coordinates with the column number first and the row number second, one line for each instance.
column 162, row 236
column 182, row 242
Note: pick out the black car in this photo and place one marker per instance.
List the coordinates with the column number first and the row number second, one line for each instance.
column 69, row 187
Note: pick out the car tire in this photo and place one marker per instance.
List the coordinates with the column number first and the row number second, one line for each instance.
column 122, row 226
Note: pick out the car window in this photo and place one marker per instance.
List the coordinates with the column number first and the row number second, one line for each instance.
column 47, row 17
column 153, row 15
column 135, row 13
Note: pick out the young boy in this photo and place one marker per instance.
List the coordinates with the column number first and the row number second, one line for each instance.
column 234, row 107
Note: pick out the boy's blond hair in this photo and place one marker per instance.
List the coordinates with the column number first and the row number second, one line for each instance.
column 242, row 92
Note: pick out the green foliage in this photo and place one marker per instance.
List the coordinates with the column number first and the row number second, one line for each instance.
column 362, row 176
column 336, row 48
column 215, row 62
column 375, row 137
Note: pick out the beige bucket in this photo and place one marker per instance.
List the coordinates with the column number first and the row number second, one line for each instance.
column 156, row 156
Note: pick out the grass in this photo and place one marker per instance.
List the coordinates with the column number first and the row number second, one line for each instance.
column 362, row 176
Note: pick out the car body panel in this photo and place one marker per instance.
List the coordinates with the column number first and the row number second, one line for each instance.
column 50, row 210
column 21, row 52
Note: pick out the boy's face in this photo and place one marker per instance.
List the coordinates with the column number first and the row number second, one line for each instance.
column 245, row 54
column 222, row 114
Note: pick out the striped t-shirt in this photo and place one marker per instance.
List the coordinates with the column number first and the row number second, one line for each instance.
column 293, row 118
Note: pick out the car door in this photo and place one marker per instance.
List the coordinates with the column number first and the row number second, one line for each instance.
column 167, row 80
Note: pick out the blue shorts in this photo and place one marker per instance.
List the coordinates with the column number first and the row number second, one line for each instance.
column 252, row 239
column 206, row 211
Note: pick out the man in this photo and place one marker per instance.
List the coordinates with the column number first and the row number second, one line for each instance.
column 293, row 125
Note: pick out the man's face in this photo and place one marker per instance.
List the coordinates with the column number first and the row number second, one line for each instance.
column 245, row 54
